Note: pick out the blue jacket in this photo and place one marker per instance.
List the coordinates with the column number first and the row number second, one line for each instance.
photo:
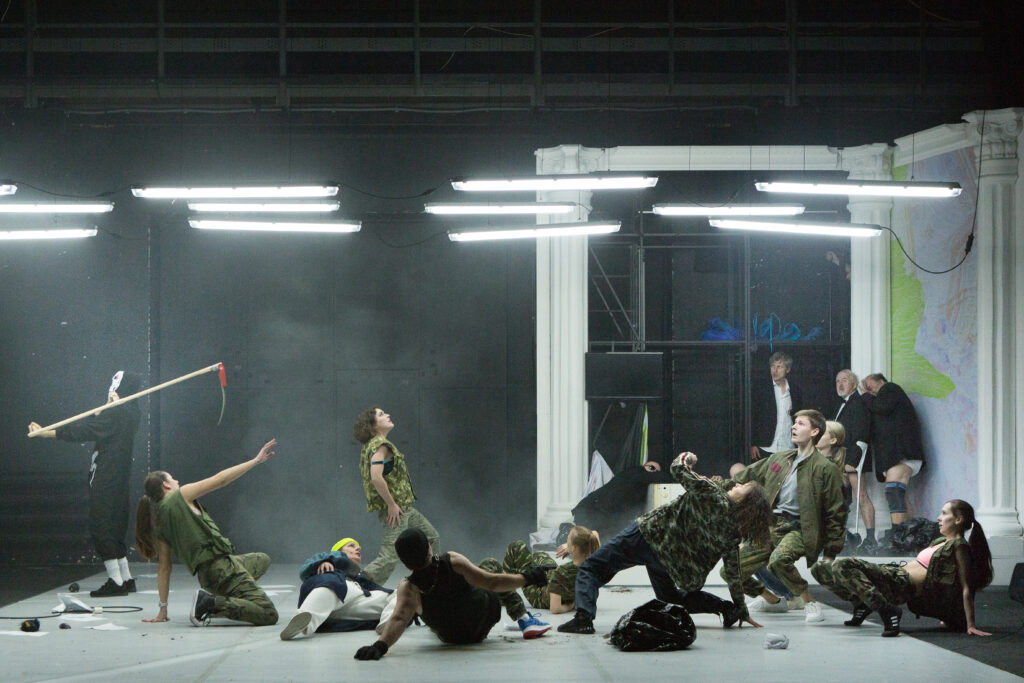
column 344, row 570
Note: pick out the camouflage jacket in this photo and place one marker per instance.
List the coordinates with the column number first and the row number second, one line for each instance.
column 397, row 479
column 819, row 495
column 941, row 595
column 690, row 534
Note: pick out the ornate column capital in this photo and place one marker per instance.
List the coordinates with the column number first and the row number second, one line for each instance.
column 997, row 131
column 867, row 162
column 570, row 159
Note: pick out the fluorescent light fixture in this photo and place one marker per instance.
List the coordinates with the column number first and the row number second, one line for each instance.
column 58, row 207
column 728, row 209
column 797, row 227
column 273, row 226
column 8, row 188
column 556, row 182
column 550, row 230
column 508, row 208
column 56, row 234
column 247, row 192
column 263, row 207
column 874, row 188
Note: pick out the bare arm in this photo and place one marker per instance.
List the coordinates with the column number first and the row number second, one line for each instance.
column 381, row 484
column 48, row 434
column 962, row 563
column 474, row 576
column 200, row 488
column 407, row 605
column 163, row 582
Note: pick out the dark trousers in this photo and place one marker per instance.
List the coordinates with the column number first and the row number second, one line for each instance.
column 629, row 549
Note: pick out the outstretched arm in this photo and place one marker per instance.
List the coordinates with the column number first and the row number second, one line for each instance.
column 163, row 582
column 962, row 566
column 407, row 604
column 475, row 576
column 200, row 488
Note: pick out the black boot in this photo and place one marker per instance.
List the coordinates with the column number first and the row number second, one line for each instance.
column 860, row 613
column 581, row 623
column 890, row 621
column 731, row 613
column 131, row 585
column 109, row 589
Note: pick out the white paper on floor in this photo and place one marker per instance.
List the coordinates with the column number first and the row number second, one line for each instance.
column 109, row 627
column 84, row 618
column 22, row 633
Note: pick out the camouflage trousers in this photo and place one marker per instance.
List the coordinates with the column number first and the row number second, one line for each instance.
column 510, row 600
column 381, row 568
column 780, row 558
column 865, row 583
column 232, row 580
column 518, row 559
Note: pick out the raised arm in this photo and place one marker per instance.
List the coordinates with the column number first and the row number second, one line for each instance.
column 200, row 488
column 381, row 484
column 963, row 562
column 163, row 582
column 407, row 604
column 682, row 472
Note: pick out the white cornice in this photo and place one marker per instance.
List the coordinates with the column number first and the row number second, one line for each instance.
column 929, row 143
column 724, row 158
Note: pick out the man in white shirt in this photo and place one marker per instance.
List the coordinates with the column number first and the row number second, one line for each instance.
column 772, row 409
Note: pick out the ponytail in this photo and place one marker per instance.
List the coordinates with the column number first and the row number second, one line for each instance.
column 979, row 571
column 145, row 514
column 584, row 540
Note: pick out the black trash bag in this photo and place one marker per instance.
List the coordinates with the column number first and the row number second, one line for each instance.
column 913, row 535
column 654, row 626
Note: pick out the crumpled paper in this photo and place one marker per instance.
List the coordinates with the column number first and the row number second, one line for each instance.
column 775, row 641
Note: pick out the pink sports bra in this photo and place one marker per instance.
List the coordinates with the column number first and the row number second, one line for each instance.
column 925, row 556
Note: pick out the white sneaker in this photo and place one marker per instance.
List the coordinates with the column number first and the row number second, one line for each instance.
column 796, row 602
column 812, row 613
column 759, row 604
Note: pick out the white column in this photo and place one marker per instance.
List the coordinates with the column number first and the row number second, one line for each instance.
column 997, row 249
column 561, row 344
column 869, row 263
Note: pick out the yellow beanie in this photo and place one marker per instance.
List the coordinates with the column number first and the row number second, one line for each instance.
column 344, row 542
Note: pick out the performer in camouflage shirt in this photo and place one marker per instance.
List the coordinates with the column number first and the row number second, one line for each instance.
column 679, row 543
column 388, row 490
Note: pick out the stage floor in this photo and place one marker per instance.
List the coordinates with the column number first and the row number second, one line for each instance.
column 224, row 651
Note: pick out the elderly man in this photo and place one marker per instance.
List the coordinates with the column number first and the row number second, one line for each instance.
column 337, row 596
column 853, row 414
column 896, row 447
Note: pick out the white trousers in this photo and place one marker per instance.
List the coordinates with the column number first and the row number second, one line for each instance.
column 323, row 604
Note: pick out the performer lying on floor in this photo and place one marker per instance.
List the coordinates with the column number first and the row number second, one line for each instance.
column 940, row 583
column 170, row 518
column 337, row 596
column 457, row 599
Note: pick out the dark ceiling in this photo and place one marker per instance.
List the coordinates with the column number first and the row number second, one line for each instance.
column 517, row 54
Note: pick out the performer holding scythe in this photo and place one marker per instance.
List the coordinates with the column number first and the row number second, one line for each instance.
column 113, row 430
column 112, row 427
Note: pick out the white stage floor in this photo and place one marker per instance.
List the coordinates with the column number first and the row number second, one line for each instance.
column 228, row 652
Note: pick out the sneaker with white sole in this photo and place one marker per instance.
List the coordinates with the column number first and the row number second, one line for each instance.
column 297, row 626
column 812, row 613
column 202, row 606
column 796, row 602
column 759, row 604
column 532, row 627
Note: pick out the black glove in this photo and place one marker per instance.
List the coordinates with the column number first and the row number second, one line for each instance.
column 374, row 652
column 537, row 576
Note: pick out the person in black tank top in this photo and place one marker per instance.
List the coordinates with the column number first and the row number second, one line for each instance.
column 458, row 600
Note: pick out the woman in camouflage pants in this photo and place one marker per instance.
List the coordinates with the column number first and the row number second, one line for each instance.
column 940, row 582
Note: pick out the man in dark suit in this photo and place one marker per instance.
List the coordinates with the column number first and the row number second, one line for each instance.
column 772, row 408
column 853, row 414
column 896, row 446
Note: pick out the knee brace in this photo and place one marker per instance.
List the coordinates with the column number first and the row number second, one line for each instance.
column 896, row 496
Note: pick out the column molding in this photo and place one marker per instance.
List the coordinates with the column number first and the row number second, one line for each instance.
column 998, row 250
column 870, row 338
column 561, row 344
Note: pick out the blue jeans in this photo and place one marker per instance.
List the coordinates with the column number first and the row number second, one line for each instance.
column 629, row 549
column 772, row 583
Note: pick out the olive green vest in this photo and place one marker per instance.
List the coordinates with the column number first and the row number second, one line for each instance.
column 195, row 539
